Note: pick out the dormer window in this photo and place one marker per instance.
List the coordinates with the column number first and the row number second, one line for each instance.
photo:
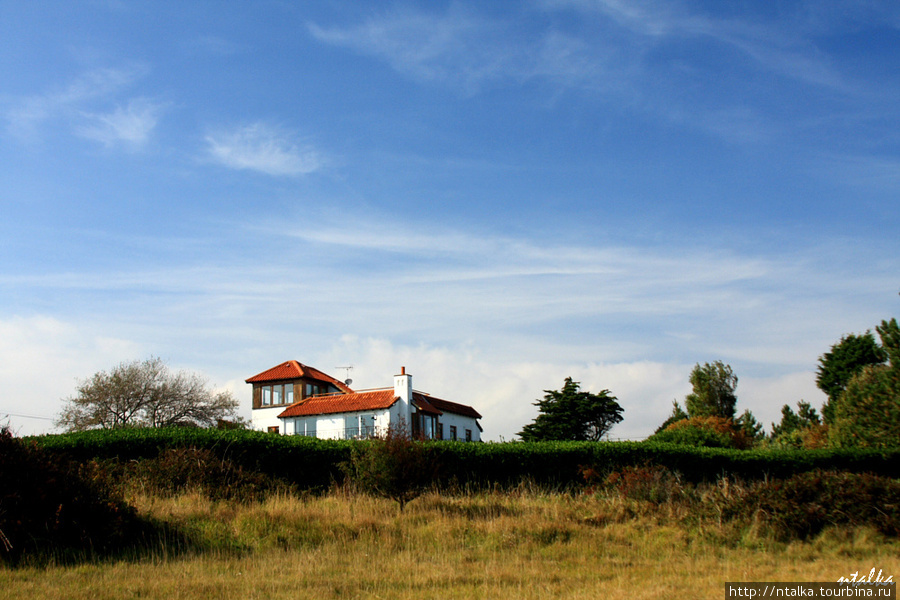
column 277, row 395
column 313, row 389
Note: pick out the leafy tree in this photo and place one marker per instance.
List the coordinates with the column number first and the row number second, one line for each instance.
column 805, row 417
column 867, row 413
column 847, row 358
column 145, row 394
column 803, row 429
column 713, row 394
column 572, row 414
column 752, row 429
column 678, row 414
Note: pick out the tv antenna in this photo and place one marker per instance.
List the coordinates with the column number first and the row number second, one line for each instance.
column 347, row 380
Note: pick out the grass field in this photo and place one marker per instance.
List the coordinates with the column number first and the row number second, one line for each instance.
column 520, row 544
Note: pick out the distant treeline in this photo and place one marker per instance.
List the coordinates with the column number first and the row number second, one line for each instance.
column 313, row 464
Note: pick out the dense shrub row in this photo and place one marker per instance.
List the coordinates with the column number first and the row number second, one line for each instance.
column 309, row 463
column 803, row 505
column 178, row 470
column 797, row 507
column 53, row 507
column 62, row 495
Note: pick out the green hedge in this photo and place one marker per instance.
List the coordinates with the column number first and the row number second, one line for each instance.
column 307, row 462
column 561, row 463
column 314, row 464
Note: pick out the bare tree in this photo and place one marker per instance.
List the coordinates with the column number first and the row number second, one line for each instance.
column 145, row 394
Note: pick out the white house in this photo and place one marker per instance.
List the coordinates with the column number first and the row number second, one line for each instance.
column 294, row 399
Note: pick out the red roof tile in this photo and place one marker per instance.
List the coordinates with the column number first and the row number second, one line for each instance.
column 340, row 403
column 423, row 403
column 453, row 407
column 295, row 370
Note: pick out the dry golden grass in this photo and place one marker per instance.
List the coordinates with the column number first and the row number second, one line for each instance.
column 518, row 545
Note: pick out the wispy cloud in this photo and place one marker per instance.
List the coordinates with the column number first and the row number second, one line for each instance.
column 775, row 47
column 631, row 52
column 874, row 172
column 261, row 147
column 467, row 49
column 131, row 124
column 456, row 47
column 80, row 107
column 514, row 315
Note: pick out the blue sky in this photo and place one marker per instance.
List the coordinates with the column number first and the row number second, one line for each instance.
column 494, row 195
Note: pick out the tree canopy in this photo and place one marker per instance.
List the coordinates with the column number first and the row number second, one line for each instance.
column 678, row 414
column 573, row 414
column 847, row 358
column 753, row 430
column 713, row 391
column 145, row 394
column 867, row 412
column 805, row 417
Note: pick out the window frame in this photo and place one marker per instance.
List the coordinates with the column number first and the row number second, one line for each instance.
column 276, row 394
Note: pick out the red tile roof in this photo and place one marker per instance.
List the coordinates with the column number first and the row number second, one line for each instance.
column 423, row 403
column 452, row 407
column 340, row 403
column 350, row 401
column 295, row 370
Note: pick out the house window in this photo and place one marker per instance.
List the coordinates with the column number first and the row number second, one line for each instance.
column 351, row 427
column 275, row 395
column 440, row 430
column 272, row 429
column 359, row 426
column 305, row 426
column 453, row 432
column 367, row 425
column 315, row 390
column 468, row 435
column 424, row 426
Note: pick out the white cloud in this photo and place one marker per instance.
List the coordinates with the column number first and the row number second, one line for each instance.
column 504, row 389
column 260, row 147
column 454, row 47
column 778, row 47
column 470, row 52
column 131, row 125
column 765, row 396
column 77, row 107
column 41, row 359
column 486, row 320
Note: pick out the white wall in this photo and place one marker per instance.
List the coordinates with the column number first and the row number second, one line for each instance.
column 462, row 423
column 263, row 418
column 332, row 427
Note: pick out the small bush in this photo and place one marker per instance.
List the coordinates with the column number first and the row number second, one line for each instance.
column 394, row 466
column 707, row 432
column 652, row 483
